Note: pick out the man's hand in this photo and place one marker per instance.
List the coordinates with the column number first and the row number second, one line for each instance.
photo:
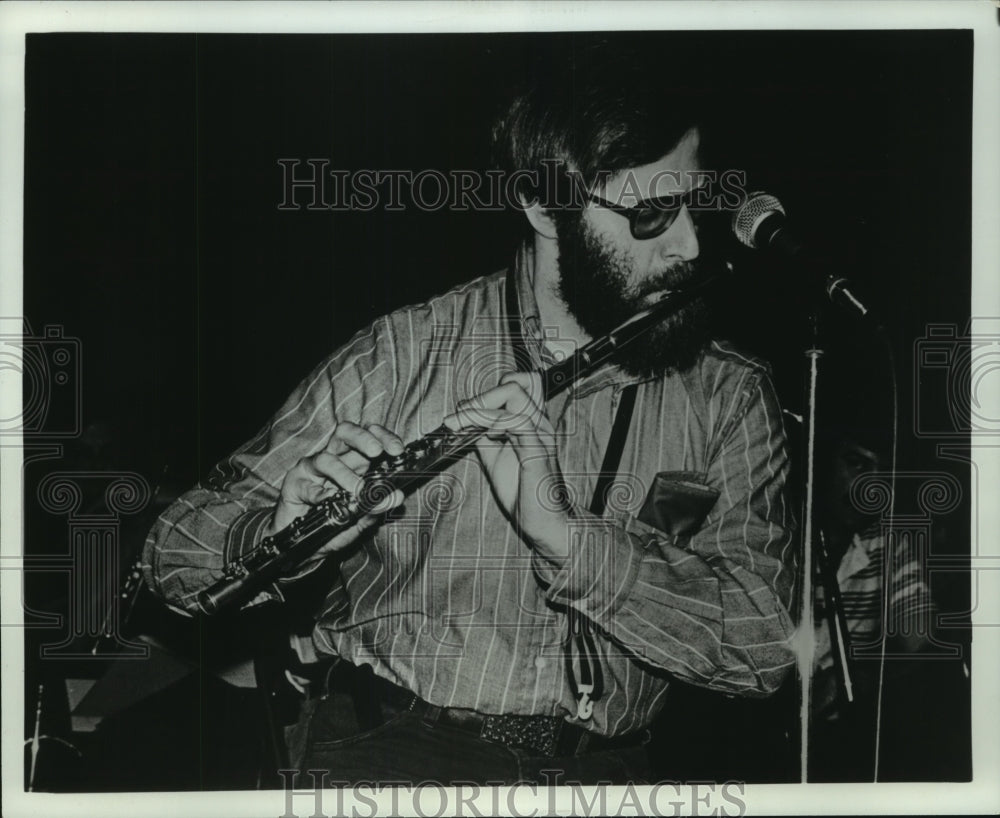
column 518, row 453
column 340, row 465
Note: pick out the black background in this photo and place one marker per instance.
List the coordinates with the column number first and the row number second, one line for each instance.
column 153, row 234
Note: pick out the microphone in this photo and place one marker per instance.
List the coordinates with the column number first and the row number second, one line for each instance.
column 760, row 225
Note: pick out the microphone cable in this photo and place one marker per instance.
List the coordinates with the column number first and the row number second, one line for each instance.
column 889, row 545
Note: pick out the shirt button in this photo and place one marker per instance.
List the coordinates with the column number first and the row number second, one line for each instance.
column 541, row 663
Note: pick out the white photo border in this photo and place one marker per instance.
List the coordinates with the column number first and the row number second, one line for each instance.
column 17, row 19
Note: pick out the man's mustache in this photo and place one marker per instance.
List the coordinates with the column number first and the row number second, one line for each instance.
column 675, row 277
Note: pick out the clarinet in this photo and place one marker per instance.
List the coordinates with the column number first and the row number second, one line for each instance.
column 281, row 553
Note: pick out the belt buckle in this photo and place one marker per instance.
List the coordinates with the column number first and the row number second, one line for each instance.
column 539, row 734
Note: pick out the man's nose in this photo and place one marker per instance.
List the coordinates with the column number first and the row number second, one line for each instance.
column 680, row 242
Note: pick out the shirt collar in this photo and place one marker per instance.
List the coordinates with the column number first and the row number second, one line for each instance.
column 531, row 322
column 534, row 332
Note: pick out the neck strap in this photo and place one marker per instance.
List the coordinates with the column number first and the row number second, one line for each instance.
column 587, row 684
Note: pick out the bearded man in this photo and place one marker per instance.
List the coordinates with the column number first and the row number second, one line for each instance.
column 521, row 615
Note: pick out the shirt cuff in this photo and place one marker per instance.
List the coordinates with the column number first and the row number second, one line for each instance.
column 245, row 533
column 243, row 536
column 599, row 572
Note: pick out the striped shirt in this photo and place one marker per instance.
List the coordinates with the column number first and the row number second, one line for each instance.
column 447, row 600
column 860, row 579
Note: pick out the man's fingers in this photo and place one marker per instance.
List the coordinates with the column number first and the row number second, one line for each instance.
column 472, row 417
column 330, row 467
column 389, row 441
column 521, row 393
column 312, row 492
column 358, row 446
column 355, row 461
column 316, row 477
column 510, row 406
column 530, row 382
column 341, row 464
column 359, row 438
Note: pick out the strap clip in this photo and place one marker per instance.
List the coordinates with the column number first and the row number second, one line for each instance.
column 584, row 707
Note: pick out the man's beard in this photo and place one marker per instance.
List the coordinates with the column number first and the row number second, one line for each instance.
column 593, row 283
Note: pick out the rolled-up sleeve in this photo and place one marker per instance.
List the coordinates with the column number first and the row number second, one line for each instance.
column 225, row 515
column 711, row 608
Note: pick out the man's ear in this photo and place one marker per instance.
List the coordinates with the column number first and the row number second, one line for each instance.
column 541, row 220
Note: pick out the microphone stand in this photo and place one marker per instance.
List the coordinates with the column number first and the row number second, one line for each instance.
column 840, row 638
column 838, row 632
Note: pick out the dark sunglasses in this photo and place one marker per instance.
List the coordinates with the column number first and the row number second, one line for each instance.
column 651, row 217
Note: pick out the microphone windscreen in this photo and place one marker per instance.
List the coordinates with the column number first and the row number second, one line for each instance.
column 755, row 209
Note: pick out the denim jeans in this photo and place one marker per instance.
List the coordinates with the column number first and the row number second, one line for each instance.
column 406, row 749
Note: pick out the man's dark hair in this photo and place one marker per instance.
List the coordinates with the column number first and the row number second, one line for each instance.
column 598, row 106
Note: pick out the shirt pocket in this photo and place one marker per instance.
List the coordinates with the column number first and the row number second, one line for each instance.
column 677, row 504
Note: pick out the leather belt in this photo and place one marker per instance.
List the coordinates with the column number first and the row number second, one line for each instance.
column 548, row 736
